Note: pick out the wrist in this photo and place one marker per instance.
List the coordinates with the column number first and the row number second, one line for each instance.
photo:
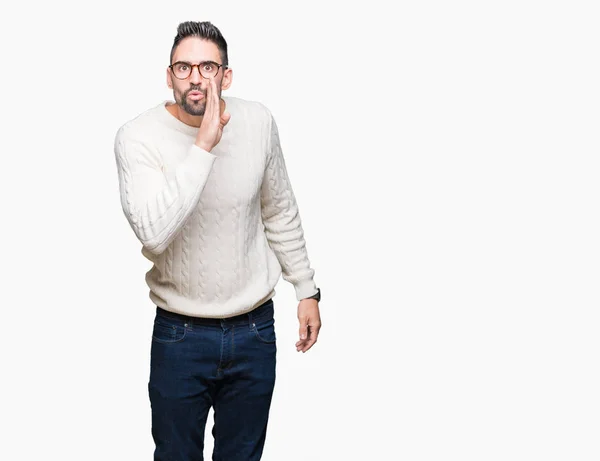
column 316, row 296
column 203, row 145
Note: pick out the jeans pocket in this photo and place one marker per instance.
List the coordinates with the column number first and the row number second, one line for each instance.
column 165, row 331
column 264, row 330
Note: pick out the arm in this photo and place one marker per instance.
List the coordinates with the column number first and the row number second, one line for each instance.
column 157, row 208
column 281, row 217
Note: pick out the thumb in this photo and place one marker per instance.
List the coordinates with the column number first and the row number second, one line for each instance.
column 303, row 327
column 225, row 118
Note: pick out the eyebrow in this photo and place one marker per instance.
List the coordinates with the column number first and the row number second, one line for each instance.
column 201, row 62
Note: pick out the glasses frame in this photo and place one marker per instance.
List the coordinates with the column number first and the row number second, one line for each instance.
column 198, row 66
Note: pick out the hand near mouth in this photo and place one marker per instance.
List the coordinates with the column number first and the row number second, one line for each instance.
column 214, row 120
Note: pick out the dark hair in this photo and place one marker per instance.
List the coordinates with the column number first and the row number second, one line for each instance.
column 205, row 30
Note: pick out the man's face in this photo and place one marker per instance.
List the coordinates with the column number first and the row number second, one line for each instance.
column 190, row 93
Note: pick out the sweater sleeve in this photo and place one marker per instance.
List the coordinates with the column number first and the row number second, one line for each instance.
column 281, row 218
column 156, row 207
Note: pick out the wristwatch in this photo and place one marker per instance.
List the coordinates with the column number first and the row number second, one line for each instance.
column 316, row 296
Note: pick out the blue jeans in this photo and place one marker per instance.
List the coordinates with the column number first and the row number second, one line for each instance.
column 196, row 363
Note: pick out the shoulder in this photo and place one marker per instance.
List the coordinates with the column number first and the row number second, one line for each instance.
column 251, row 110
column 139, row 127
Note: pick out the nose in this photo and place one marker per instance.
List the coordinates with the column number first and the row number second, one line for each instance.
column 195, row 76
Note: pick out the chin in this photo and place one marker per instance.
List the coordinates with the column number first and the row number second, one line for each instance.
column 194, row 109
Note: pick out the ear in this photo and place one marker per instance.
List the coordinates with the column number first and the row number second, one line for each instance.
column 169, row 78
column 227, row 79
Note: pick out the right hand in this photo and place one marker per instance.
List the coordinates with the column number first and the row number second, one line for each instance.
column 214, row 120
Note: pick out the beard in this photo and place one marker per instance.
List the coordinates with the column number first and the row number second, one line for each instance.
column 195, row 108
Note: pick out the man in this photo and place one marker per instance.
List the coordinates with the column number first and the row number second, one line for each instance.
column 204, row 186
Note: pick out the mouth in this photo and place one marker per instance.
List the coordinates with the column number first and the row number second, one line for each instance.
column 195, row 95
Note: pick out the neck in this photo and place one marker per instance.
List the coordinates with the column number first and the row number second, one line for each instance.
column 177, row 112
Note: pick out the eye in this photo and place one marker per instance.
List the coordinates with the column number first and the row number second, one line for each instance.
column 208, row 66
column 181, row 67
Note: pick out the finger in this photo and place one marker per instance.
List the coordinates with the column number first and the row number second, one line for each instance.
column 214, row 97
column 208, row 107
column 300, row 344
column 314, row 326
column 303, row 328
column 225, row 118
column 303, row 346
column 225, row 115
column 303, row 333
column 313, row 333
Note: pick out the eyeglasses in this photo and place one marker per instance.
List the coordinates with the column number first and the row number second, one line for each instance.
column 207, row 69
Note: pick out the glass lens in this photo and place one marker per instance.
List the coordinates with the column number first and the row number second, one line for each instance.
column 208, row 69
column 181, row 69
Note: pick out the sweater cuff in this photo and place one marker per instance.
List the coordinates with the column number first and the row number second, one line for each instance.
column 203, row 155
column 305, row 288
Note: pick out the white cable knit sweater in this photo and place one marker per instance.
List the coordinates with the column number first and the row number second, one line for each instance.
column 220, row 227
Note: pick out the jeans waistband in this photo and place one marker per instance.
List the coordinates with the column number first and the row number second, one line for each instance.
column 264, row 309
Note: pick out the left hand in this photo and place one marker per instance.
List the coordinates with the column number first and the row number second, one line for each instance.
column 310, row 324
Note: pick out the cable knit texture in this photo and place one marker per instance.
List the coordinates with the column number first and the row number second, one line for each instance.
column 220, row 227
